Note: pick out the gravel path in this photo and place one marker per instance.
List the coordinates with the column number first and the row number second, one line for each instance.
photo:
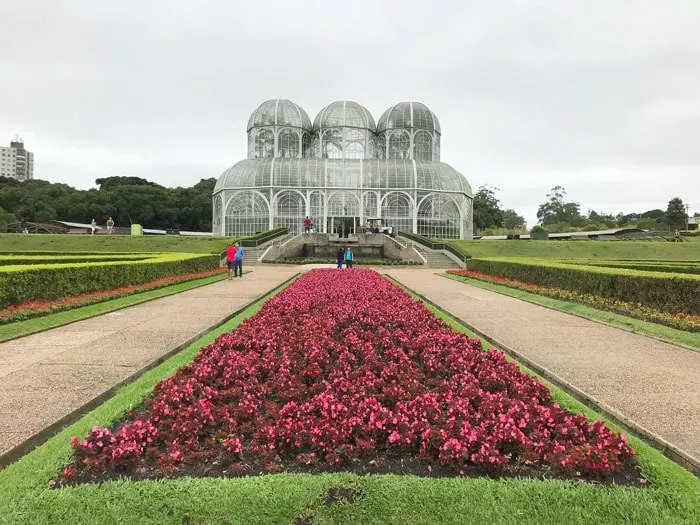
column 654, row 384
column 47, row 376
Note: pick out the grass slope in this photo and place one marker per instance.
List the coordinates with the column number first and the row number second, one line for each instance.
column 672, row 497
column 581, row 249
column 10, row 242
column 38, row 324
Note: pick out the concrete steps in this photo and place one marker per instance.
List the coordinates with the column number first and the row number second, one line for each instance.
column 439, row 260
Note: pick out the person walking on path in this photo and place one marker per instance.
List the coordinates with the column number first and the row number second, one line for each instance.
column 230, row 258
column 110, row 225
column 238, row 261
column 93, row 227
column 348, row 258
column 339, row 258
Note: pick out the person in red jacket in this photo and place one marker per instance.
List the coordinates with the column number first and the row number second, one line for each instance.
column 230, row 259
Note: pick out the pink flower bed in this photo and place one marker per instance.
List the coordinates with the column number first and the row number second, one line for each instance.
column 344, row 365
column 31, row 309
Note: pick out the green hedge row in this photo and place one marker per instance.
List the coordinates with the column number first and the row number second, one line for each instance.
column 22, row 261
column 19, row 284
column 655, row 267
column 669, row 292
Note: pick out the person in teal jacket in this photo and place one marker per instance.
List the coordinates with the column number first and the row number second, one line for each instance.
column 348, row 258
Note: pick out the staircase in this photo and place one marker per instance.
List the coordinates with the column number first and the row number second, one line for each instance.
column 436, row 259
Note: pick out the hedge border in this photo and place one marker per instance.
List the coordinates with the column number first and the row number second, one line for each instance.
column 675, row 293
column 19, row 284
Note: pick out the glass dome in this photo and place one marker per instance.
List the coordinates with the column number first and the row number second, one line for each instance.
column 344, row 114
column 408, row 115
column 279, row 112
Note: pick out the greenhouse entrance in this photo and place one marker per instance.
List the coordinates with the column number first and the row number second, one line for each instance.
column 343, row 226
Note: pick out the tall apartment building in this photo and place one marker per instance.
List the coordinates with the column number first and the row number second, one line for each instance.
column 16, row 162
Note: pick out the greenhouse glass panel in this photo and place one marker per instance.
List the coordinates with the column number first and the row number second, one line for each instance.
column 247, row 213
column 216, row 219
column 399, row 144
column 423, row 146
column 381, row 146
column 439, row 217
column 397, row 211
column 316, row 209
column 288, row 144
column 290, row 211
column 369, row 203
column 343, row 204
column 355, row 150
column 264, row 144
column 306, row 145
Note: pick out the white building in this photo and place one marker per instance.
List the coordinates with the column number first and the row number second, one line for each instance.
column 16, row 162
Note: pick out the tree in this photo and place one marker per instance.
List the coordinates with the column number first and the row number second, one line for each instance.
column 5, row 219
column 513, row 221
column 555, row 210
column 675, row 215
column 487, row 209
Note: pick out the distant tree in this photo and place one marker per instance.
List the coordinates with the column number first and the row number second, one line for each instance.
column 653, row 214
column 675, row 215
column 513, row 221
column 6, row 218
column 487, row 209
column 648, row 223
column 555, row 210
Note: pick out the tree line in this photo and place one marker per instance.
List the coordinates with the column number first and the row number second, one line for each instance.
column 558, row 214
column 126, row 199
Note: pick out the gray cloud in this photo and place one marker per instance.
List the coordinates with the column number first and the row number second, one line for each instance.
column 601, row 97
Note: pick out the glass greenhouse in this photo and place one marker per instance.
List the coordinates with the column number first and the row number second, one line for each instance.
column 341, row 171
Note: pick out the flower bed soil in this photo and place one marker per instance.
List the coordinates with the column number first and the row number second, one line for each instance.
column 687, row 322
column 32, row 309
column 343, row 371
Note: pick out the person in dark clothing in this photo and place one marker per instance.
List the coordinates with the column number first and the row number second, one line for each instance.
column 339, row 257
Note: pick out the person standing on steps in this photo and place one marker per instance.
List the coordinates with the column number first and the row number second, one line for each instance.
column 348, row 258
column 238, row 261
column 339, row 257
column 230, row 258
column 307, row 225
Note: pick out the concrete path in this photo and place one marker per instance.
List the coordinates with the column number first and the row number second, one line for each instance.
column 47, row 376
column 654, row 384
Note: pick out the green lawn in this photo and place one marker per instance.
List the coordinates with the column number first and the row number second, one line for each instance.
column 655, row 250
column 15, row 242
column 38, row 324
column 672, row 495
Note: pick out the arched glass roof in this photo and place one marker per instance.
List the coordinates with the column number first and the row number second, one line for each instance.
column 387, row 174
column 279, row 112
column 408, row 115
column 344, row 114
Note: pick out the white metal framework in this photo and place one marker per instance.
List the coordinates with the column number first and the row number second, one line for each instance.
column 341, row 171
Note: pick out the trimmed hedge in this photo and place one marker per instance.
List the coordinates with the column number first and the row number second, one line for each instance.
column 19, row 283
column 44, row 259
column 691, row 268
column 676, row 293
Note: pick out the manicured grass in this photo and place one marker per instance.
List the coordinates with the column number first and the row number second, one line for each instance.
column 673, row 495
column 667, row 333
column 581, row 249
column 30, row 326
column 16, row 242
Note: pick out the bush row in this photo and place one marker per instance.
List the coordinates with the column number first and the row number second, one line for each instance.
column 669, row 292
column 654, row 267
column 19, row 284
column 22, row 261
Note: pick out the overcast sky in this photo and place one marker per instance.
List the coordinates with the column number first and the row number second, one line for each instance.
column 601, row 97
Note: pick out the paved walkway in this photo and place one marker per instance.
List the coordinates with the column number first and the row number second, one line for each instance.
column 654, row 384
column 46, row 376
